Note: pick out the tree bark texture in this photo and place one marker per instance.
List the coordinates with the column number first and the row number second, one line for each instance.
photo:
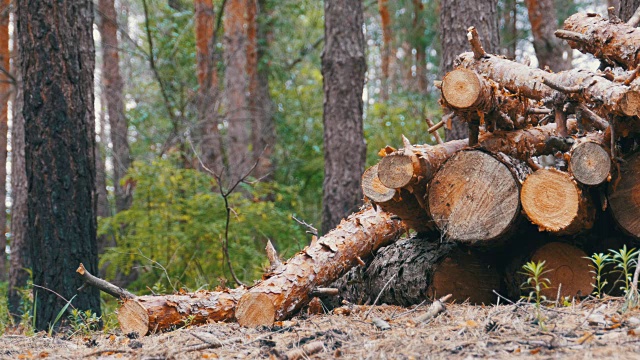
column 385, row 51
column 420, row 45
column 56, row 43
column 475, row 197
column 288, row 288
column 113, row 87
column 208, row 92
column 456, row 16
column 20, row 253
column 549, row 50
column 554, row 202
column 628, row 8
column 236, row 87
column 590, row 159
column 422, row 269
column 5, row 94
column 606, row 95
column 624, row 196
column 617, row 44
column 343, row 68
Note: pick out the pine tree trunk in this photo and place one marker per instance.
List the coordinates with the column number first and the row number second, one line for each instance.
column 113, row 87
column 628, row 8
column 56, row 44
column 343, row 68
column 456, row 16
column 421, row 49
column 102, row 200
column 5, row 94
column 208, row 93
column 20, row 254
column 385, row 51
column 549, row 50
column 236, row 87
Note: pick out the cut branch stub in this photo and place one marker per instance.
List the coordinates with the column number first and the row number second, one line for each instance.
column 590, row 162
column 618, row 44
column 624, row 196
column 474, row 198
column 464, row 89
column 552, row 200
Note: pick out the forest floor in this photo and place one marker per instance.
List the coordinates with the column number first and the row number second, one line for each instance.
column 592, row 329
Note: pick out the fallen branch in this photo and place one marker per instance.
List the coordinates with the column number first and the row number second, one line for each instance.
column 436, row 308
column 102, row 285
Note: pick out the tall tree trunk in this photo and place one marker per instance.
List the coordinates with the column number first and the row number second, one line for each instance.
column 56, row 43
column 113, row 86
column 263, row 136
column 420, row 46
column 236, row 86
column 343, row 68
column 627, row 8
column 208, row 99
column 5, row 93
column 20, row 259
column 549, row 49
column 509, row 35
column 456, row 16
column 102, row 199
column 385, row 22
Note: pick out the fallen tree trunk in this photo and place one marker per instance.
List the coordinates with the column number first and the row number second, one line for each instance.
column 401, row 202
column 554, row 202
column 568, row 270
column 615, row 43
column 287, row 289
column 475, row 197
column 415, row 167
column 590, row 162
column 624, row 196
column 422, row 269
column 582, row 85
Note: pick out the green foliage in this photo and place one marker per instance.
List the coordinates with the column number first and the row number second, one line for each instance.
column 173, row 231
column 536, row 283
column 599, row 262
column 625, row 262
column 83, row 322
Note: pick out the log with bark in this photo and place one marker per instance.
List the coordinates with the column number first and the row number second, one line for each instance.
column 475, row 197
column 567, row 266
column 590, row 161
column 554, row 202
column 288, row 288
column 422, row 269
column 624, row 195
column 614, row 42
column 400, row 202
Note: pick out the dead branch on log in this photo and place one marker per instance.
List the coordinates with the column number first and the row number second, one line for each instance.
column 102, row 285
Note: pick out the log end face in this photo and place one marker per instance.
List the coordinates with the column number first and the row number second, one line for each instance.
column 590, row 164
column 395, row 170
column 373, row 188
column 133, row 318
column 255, row 309
column 566, row 265
column 630, row 103
column 461, row 88
column 624, row 198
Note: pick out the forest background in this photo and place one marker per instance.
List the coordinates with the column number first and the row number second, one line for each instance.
column 168, row 76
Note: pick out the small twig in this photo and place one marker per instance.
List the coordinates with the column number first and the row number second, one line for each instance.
column 310, row 229
column 114, row 351
column 321, row 291
column 307, row 349
column 409, row 311
column 436, row 308
column 560, row 87
column 538, row 111
column 435, row 132
column 378, row 297
column 586, row 113
column 103, row 285
column 476, row 45
column 571, row 36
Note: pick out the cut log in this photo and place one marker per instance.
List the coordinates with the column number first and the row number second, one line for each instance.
column 289, row 288
column 624, row 196
column 149, row 314
column 417, row 167
column 583, row 85
column 423, row 270
column 615, row 43
column 554, row 201
column 474, row 198
column 567, row 268
column 398, row 202
column 590, row 162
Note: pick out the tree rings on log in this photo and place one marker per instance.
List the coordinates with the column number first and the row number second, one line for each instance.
column 590, row 163
column 463, row 89
column 474, row 198
column 552, row 200
column 568, row 267
column 624, row 196
column 373, row 188
column 397, row 170
column 133, row 318
column 255, row 310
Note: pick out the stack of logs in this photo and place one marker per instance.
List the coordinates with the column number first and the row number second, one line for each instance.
column 549, row 172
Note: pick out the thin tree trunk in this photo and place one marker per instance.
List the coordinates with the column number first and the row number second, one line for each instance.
column 5, row 93
column 236, row 86
column 509, row 35
column 456, row 16
column 627, row 8
column 113, row 87
column 20, row 255
column 102, row 205
column 421, row 48
column 56, row 43
column 385, row 22
column 343, row 68
column 549, row 49
column 208, row 99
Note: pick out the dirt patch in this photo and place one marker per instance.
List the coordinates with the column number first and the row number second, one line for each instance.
column 584, row 330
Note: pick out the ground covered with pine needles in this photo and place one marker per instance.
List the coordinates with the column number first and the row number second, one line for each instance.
column 591, row 329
